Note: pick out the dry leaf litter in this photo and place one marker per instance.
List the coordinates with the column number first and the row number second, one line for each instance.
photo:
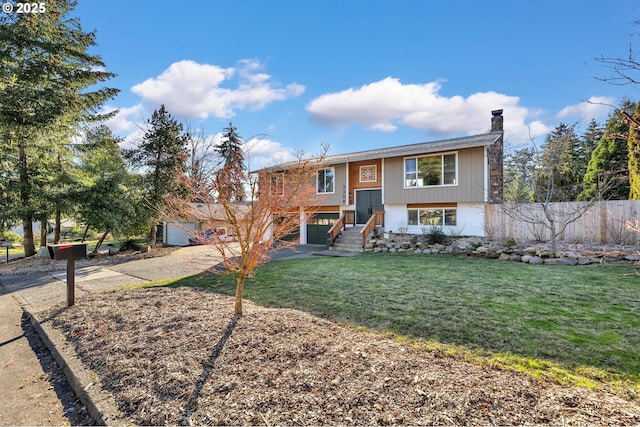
column 179, row 356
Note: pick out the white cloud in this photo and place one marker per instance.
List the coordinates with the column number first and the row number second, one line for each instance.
column 194, row 90
column 261, row 153
column 595, row 108
column 125, row 120
column 386, row 104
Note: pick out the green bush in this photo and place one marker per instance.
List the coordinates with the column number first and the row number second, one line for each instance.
column 435, row 234
column 10, row 236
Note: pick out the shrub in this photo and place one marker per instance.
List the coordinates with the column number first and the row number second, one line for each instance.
column 10, row 236
column 434, row 234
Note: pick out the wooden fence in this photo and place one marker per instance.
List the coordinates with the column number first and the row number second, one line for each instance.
column 612, row 221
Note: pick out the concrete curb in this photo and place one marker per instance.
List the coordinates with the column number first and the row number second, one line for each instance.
column 100, row 404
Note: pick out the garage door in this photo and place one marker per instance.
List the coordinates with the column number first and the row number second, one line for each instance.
column 318, row 227
column 178, row 234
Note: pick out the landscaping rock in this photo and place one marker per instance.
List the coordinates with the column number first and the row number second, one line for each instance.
column 515, row 258
column 536, row 260
column 632, row 258
column 482, row 249
column 531, row 250
column 504, row 257
column 525, row 258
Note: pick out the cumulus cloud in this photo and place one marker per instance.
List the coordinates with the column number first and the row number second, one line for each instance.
column 386, row 104
column 194, row 90
column 261, row 153
column 125, row 120
column 595, row 108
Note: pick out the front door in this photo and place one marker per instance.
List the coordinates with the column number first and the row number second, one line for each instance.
column 366, row 202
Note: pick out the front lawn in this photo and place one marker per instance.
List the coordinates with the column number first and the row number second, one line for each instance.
column 575, row 324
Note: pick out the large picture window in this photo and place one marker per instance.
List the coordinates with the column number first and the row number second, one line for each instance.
column 432, row 216
column 326, row 181
column 430, row 170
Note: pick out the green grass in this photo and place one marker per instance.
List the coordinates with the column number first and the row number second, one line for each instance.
column 575, row 324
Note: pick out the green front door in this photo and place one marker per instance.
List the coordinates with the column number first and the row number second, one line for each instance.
column 366, row 202
column 318, row 227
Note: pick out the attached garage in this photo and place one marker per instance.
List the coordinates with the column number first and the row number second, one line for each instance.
column 318, row 227
column 178, row 234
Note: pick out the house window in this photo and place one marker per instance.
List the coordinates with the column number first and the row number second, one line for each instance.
column 277, row 184
column 368, row 173
column 432, row 216
column 325, row 180
column 430, row 170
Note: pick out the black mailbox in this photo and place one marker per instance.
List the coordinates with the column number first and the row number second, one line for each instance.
column 68, row 251
column 71, row 253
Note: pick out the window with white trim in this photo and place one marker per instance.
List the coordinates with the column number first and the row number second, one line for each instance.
column 325, row 181
column 432, row 216
column 430, row 171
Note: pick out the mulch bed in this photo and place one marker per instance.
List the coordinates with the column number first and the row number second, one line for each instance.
column 179, row 356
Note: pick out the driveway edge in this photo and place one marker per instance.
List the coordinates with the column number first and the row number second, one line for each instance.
column 100, row 404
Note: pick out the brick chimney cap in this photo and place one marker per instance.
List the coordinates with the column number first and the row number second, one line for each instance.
column 496, row 113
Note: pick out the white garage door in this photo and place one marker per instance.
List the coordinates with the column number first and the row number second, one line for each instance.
column 179, row 234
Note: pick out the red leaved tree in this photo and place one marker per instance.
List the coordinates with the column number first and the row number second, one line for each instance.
column 278, row 200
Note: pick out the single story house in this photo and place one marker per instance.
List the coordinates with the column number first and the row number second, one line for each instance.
column 202, row 218
column 443, row 183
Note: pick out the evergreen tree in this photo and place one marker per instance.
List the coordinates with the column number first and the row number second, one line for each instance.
column 46, row 81
column 162, row 156
column 607, row 175
column 519, row 175
column 109, row 200
column 633, row 145
column 558, row 165
column 232, row 175
column 587, row 144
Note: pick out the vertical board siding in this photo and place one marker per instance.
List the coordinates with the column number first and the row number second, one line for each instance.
column 611, row 221
column 354, row 177
column 340, row 185
column 470, row 188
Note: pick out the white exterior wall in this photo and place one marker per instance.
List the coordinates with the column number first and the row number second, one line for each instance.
column 470, row 219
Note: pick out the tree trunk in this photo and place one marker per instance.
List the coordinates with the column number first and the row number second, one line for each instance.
column 239, row 291
column 43, row 232
column 104, row 236
column 25, row 198
column 152, row 235
column 86, row 231
column 27, row 238
column 57, row 229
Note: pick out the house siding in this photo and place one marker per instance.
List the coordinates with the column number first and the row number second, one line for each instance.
column 340, row 187
column 470, row 219
column 470, row 187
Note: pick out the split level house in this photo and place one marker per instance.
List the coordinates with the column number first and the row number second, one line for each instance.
column 408, row 188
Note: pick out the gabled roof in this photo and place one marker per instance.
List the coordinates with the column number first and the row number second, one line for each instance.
column 409, row 150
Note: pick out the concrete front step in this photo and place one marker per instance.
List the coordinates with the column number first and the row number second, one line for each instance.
column 344, row 247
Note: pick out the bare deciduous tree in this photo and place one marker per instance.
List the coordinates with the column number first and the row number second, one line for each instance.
column 278, row 200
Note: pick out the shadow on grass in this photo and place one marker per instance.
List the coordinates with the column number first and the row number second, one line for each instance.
column 192, row 403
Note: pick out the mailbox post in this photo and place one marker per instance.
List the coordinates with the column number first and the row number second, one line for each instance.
column 70, row 252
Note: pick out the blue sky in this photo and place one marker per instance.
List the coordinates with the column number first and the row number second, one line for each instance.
column 360, row 75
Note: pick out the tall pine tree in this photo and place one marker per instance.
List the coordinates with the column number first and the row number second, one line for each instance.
column 607, row 175
column 161, row 157
column 47, row 78
column 232, row 176
column 558, row 163
column 633, row 146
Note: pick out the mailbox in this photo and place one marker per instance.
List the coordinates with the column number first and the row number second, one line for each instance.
column 68, row 251
column 71, row 253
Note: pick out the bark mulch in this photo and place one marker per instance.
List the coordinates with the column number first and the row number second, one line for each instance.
column 179, row 356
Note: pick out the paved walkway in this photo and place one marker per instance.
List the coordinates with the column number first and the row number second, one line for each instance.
column 30, row 395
